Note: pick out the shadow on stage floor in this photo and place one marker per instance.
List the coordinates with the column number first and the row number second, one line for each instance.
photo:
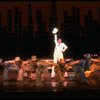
column 66, row 94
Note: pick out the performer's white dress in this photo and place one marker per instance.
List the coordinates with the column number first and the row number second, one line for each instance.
column 58, row 54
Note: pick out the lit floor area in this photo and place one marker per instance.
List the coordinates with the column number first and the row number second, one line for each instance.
column 48, row 84
column 50, row 88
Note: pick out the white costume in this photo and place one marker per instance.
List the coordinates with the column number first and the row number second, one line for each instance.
column 58, row 53
column 59, row 49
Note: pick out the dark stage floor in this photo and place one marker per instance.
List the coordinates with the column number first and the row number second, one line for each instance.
column 71, row 88
column 48, row 84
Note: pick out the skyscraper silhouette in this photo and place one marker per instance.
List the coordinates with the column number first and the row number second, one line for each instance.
column 40, row 23
column 16, row 11
column 20, row 25
column 53, row 16
column 88, row 23
column 0, row 23
column 30, row 21
column 9, row 21
column 76, row 21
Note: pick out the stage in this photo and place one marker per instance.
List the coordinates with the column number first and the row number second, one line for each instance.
column 48, row 85
column 69, row 89
column 51, row 88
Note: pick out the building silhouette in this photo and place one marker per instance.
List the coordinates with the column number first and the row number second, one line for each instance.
column 53, row 22
column 88, row 19
column 98, row 13
column 70, row 29
column 9, row 22
column 41, row 27
column 0, row 23
column 64, row 24
column 76, row 21
column 71, row 24
column 16, row 12
column 20, row 25
column 30, row 21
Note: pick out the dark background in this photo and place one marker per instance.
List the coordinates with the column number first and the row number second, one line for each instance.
column 25, row 28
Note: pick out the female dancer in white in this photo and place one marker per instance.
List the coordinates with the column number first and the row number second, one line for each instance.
column 58, row 51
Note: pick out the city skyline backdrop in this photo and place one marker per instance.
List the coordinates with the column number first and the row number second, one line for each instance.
column 26, row 26
column 45, row 6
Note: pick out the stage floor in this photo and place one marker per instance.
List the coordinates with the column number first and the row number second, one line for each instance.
column 48, row 84
column 49, row 89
